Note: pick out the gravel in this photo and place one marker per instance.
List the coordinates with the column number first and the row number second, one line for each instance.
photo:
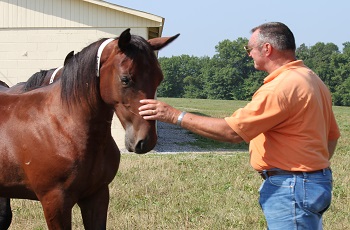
column 173, row 139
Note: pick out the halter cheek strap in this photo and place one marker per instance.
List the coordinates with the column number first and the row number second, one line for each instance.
column 54, row 74
column 99, row 54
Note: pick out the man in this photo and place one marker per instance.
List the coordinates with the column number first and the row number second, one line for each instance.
column 290, row 127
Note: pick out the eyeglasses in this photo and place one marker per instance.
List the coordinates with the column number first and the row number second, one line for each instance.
column 247, row 49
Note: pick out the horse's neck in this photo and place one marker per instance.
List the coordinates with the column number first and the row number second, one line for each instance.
column 101, row 121
column 97, row 120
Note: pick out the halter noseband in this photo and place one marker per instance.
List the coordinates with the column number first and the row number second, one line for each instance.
column 99, row 54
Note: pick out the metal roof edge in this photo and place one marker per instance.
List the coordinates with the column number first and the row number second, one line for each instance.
column 128, row 10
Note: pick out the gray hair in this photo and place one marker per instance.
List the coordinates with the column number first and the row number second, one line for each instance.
column 277, row 34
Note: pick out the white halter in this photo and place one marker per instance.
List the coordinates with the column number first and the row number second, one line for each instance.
column 99, row 53
column 54, row 74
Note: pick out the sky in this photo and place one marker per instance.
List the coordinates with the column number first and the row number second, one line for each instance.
column 203, row 24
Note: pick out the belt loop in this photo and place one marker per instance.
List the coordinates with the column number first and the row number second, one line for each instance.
column 305, row 174
column 324, row 172
column 264, row 172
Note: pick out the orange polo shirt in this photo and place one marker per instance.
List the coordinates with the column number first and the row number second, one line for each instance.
column 289, row 121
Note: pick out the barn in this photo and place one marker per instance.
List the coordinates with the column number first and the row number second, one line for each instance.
column 38, row 34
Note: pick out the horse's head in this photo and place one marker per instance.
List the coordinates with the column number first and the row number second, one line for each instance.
column 130, row 72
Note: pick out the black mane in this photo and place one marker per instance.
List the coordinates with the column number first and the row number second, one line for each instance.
column 35, row 81
column 4, row 84
column 78, row 80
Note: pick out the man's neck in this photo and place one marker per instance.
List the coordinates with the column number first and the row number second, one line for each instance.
column 278, row 61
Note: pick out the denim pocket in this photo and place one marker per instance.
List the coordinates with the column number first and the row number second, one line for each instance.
column 317, row 195
column 284, row 181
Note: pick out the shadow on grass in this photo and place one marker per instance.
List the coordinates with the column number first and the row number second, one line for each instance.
column 172, row 138
column 209, row 144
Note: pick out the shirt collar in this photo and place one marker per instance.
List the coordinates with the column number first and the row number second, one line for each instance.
column 290, row 65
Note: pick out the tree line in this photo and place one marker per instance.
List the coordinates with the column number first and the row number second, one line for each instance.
column 230, row 73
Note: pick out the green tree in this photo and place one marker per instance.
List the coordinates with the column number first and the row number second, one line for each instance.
column 342, row 94
column 194, row 82
column 175, row 70
column 228, row 70
column 321, row 56
column 251, row 85
column 341, row 79
column 303, row 53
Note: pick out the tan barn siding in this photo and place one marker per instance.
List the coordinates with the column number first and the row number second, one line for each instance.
column 32, row 49
column 65, row 13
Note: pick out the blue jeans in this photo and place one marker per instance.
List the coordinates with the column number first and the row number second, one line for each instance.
column 296, row 201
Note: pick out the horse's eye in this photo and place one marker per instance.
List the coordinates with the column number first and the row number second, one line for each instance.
column 125, row 80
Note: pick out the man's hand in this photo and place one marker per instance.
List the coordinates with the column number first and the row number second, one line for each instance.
column 157, row 110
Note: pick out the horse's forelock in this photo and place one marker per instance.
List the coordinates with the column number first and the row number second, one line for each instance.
column 138, row 45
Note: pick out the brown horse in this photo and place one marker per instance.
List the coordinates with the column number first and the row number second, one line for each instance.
column 5, row 207
column 56, row 140
column 41, row 78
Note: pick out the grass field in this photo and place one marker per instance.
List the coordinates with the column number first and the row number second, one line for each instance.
column 214, row 190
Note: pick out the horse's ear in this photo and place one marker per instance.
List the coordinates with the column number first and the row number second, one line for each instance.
column 124, row 39
column 159, row 43
column 68, row 57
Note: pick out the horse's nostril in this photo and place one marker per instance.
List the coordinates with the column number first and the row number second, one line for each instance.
column 140, row 147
